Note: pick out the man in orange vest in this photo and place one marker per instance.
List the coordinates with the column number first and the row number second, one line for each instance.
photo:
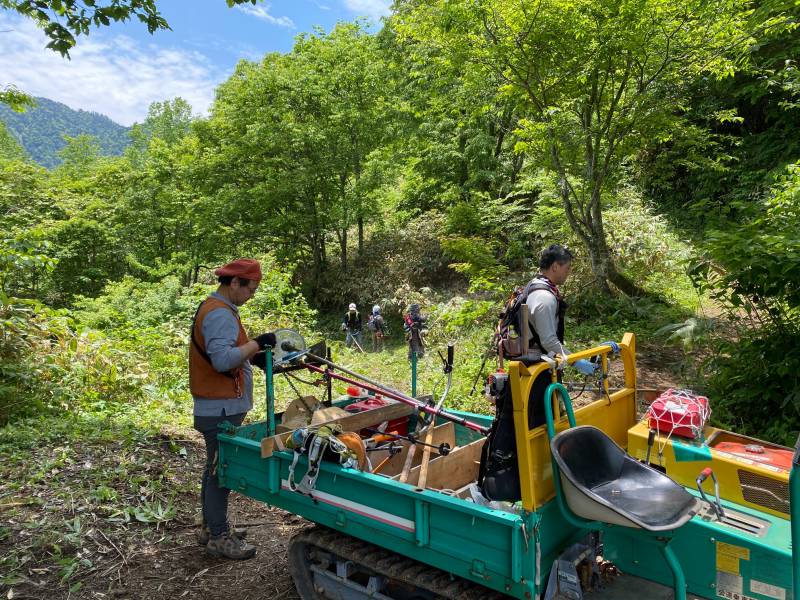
column 221, row 382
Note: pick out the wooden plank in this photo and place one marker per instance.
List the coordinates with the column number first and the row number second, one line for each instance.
column 426, row 458
column 444, row 433
column 454, row 470
column 407, row 465
column 354, row 422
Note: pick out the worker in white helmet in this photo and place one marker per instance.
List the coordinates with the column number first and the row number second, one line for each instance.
column 351, row 325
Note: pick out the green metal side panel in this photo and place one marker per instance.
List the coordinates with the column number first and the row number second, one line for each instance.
column 494, row 548
column 687, row 452
column 718, row 561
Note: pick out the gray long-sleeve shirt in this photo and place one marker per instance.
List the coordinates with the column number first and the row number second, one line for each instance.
column 221, row 331
column 543, row 308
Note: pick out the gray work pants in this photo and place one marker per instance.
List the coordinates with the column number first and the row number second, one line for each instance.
column 213, row 498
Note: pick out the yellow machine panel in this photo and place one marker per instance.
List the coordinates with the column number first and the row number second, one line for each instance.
column 750, row 472
column 614, row 415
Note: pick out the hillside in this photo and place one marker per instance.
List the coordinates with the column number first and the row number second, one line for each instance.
column 40, row 130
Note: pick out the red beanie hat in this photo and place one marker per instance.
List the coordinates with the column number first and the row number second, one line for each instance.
column 246, row 268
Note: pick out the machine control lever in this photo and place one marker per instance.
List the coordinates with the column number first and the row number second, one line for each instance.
column 716, row 505
column 651, row 437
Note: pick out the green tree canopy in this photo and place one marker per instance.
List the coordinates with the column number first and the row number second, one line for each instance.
column 10, row 148
column 282, row 157
column 596, row 79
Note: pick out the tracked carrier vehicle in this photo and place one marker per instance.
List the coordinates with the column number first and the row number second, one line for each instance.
column 590, row 485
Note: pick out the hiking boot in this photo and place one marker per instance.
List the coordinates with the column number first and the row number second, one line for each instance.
column 204, row 534
column 229, row 546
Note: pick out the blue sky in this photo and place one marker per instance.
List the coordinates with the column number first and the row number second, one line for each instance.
column 121, row 69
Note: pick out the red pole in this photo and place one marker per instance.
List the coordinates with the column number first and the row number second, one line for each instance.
column 402, row 398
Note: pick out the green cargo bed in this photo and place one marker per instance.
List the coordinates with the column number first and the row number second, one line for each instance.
column 494, row 548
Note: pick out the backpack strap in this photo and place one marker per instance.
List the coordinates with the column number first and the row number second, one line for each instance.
column 540, row 282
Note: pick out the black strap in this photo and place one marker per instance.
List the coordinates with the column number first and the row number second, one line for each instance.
column 560, row 311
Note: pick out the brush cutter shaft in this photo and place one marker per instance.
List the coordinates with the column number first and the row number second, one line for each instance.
column 376, row 387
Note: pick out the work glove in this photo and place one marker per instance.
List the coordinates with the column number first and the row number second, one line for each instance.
column 614, row 346
column 266, row 339
column 259, row 359
column 584, row 366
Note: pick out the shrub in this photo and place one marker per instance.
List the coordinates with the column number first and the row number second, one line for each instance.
column 410, row 256
column 50, row 363
column 755, row 382
column 752, row 271
column 127, row 344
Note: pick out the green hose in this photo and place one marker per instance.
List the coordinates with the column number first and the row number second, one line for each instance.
column 548, row 407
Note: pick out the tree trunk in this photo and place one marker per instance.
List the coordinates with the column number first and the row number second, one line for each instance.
column 605, row 270
column 343, row 247
column 359, row 202
column 624, row 283
column 360, row 235
column 317, row 251
column 463, row 167
column 600, row 260
column 589, row 227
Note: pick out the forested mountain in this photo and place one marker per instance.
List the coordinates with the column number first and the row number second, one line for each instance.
column 41, row 130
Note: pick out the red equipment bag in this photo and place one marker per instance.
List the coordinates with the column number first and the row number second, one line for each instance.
column 679, row 412
column 396, row 426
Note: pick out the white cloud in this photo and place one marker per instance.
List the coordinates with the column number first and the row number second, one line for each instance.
column 375, row 9
column 262, row 12
column 113, row 75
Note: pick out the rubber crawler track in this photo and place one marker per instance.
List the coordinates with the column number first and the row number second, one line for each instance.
column 394, row 566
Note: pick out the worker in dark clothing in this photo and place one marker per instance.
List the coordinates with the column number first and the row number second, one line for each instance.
column 414, row 326
column 377, row 326
column 221, row 383
column 547, row 309
column 351, row 324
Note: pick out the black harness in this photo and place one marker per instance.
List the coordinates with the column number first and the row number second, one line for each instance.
column 540, row 282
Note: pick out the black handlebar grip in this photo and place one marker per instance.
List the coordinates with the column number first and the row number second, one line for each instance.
column 450, row 348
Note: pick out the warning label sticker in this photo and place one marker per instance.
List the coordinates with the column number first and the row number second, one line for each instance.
column 728, row 584
column 766, row 589
column 729, row 564
column 728, row 557
column 731, row 550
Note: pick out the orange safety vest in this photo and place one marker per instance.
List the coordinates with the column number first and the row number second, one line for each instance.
column 204, row 380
